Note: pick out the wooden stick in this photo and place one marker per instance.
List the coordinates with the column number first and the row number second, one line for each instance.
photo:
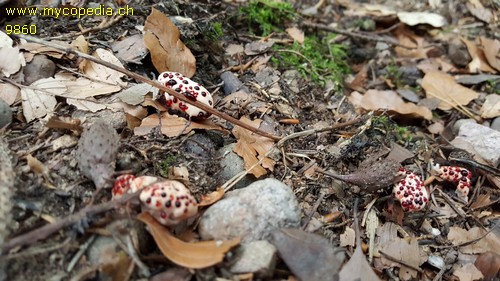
column 148, row 81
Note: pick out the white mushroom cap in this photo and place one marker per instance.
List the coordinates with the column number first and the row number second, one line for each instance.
column 189, row 89
column 169, row 202
column 458, row 175
column 126, row 184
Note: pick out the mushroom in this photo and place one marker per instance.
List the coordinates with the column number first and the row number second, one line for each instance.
column 190, row 89
column 457, row 175
column 410, row 191
column 127, row 183
column 169, row 202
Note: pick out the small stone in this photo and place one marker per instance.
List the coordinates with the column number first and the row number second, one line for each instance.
column 255, row 212
column 5, row 114
column 436, row 261
column 232, row 164
column 38, row 68
column 484, row 140
column 258, row 257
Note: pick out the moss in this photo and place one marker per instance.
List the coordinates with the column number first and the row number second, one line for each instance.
column 316, row 59
column 267, row 16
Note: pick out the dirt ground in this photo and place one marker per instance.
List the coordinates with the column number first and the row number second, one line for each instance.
column 327, row 203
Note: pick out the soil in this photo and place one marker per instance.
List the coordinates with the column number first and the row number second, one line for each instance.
column 39, row 200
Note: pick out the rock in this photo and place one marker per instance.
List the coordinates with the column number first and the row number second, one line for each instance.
column 458, row 53
column 38, row 68
column 232, row 164
column 7, row 176
column 5, row 114
column 257, row 257
column 484, row 140
column 495, row 125
column 251, row 213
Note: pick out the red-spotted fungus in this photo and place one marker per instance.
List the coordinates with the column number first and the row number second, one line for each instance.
column 410, row 191
column 190, row 89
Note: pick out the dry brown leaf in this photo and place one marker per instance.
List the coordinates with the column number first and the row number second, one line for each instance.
column 417, row 46
column 398, row 249
column 9, row 93
column 489, row 265
column 35, row 48
column 135, row 94
column 173, row 125
column 252, row 147
column 491, row 106
column 491, row 49
column 477, row 9
column 80, row 44
column 36, row 103
column 479, row 62
column 296, row 34
column 390, row 101
column 309, row 256
column 442, row 86
column 468, row 272
column 490, row 242
column 36, row 166
column 131, row 49
column 104, row 74
column 191, row 255
column 212, row 197
column 168, row 53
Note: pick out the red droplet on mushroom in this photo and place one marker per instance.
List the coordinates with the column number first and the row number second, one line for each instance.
column 189, row 89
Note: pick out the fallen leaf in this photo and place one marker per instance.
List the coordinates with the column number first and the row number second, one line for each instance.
column 477, row 9
column 487, row 242
column 476, row 79
column 348, row 238
column 398, row 249
column 131, row 49
column 173, row 125
column 388, row 101
column 489, row 265
column 191, row 255
column 135, row 94
column 11, row 59
column 80, row 44
column 233, row 49
column 36, row 103
column 64, row 141
column 296, row 34
column 447, row 90
column 212, row 197
column 491, row 106
column 357, row 268
column 416, row 45
column 309, row 256
column 468, row 272
column 416, row 18
column 104, row 74
column 36, row 166
column 35, row 48
column 9, row 93
column 491, row 49
column 168, row 53
column 252, row 147
column 478, row 62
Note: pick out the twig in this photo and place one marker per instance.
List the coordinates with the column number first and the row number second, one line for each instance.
column 313, row 210
column 231, row 182
column 146, row 80
column 355, row 35
column 46, row 230
column 391, row 258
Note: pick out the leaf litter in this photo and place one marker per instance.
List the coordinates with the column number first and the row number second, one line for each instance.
column 95, row 92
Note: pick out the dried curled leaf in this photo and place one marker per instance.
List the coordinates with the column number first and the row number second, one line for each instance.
column 96, row 153
column 191, row 255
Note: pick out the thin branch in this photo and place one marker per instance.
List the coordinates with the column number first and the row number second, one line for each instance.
column 148, row 81
column 48, row 229
column 356, row 35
